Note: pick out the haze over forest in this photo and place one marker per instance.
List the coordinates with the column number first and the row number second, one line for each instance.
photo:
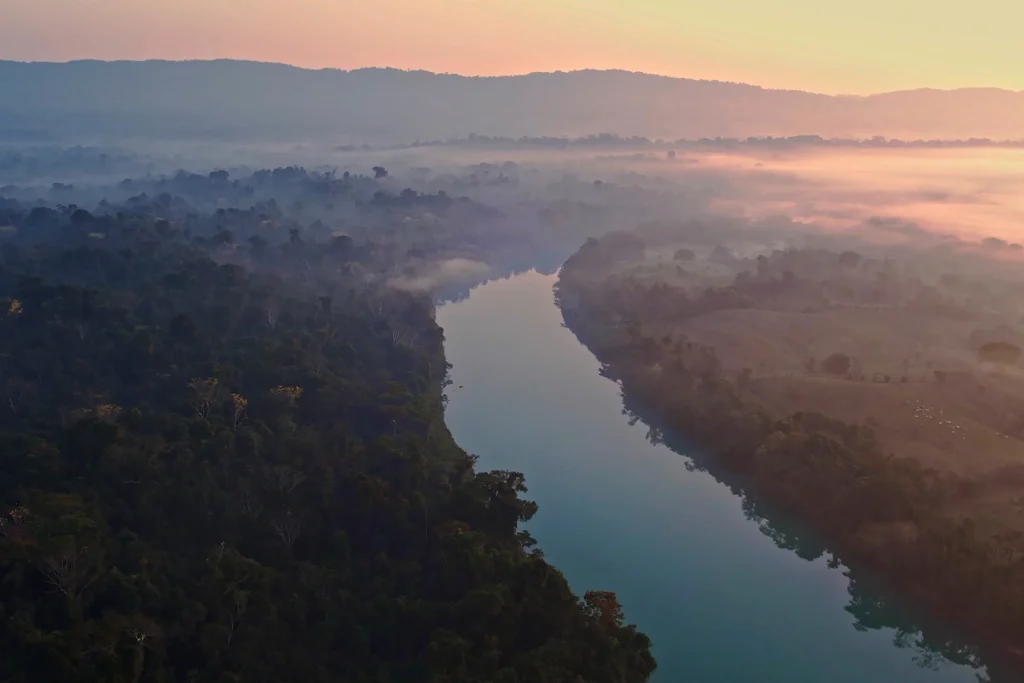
column 222, row 356
column 228, row 99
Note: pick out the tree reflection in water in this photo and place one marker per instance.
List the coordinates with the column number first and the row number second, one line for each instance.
column 870, row 605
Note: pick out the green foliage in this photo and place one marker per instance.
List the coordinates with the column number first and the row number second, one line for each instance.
column 876, row 509
column 210, row 473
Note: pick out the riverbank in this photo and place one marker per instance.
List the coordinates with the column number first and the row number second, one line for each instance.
column 706, row 571
column 241, row 471
column 877, row 510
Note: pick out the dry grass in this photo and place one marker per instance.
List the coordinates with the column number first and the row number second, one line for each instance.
column 919, row 420
column 960, row 426
column 885, row 340
column 969, row 424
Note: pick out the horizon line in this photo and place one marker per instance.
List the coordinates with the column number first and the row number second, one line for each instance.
column 554, row 72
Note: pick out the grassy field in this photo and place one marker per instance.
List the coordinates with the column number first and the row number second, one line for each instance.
column 896, row 388
column 915, row 379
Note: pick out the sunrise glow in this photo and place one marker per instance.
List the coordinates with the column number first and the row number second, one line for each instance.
column 871, row 46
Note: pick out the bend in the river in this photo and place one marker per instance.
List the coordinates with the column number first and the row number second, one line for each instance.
column 727, row 592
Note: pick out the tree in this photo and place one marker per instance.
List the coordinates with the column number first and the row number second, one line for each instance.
column 205, row 395
column 287, row 528
column 379, row 172
column 188, row 497
column 81, row 218
column 604, row 607
column 1003, row 353
column 850, row 259
column 68, row 566
column 287, row 394
column 684, row 255
column 271, row 311
column 238, row 403
column 837, row 364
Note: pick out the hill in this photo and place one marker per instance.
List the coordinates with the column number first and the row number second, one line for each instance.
column 228, row 99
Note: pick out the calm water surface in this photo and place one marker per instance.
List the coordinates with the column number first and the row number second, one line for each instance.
column 721, row 602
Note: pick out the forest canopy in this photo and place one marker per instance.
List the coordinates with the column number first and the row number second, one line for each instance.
column 224, row 458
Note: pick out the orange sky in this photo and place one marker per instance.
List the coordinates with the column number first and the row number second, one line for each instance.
column 820, row 45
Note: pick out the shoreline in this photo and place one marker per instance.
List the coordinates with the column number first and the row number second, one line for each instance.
column 877, row 512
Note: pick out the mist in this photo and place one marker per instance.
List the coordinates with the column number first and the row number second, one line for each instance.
column 823, row 284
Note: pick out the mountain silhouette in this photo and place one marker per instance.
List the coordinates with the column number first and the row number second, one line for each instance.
column 227, row 99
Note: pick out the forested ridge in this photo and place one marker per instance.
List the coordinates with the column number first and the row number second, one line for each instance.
column 228, row 100
column 224, row 458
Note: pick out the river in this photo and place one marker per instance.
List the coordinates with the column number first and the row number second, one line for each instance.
column 720, row 600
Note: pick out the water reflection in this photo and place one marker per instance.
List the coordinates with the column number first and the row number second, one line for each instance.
column 545, row 262
column 728, row 590
column 872, row 607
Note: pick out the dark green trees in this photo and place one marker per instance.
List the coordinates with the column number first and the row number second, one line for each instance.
column 211, row 474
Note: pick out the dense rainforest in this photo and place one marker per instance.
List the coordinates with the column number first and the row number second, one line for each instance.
column 223, row 458
column 874, row 509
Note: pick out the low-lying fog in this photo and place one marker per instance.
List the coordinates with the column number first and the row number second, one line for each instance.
column 859, row 282
column 879, row 195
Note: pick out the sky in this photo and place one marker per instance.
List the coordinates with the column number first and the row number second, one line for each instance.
column 830, row 46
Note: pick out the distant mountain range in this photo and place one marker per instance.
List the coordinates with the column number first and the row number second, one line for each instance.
column 225, row 99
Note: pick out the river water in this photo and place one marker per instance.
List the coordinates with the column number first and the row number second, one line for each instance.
column 720, row 600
